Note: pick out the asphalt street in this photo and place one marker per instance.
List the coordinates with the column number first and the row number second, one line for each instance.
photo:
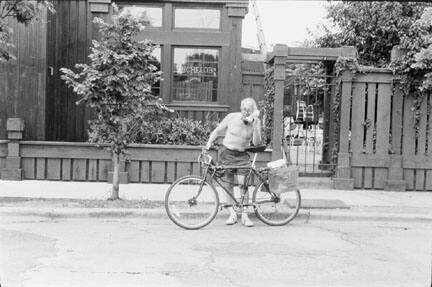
column 41, row 251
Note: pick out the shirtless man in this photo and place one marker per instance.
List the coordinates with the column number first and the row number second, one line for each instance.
column 238, row 129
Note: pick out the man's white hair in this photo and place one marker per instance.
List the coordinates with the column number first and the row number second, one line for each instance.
column 249, row 102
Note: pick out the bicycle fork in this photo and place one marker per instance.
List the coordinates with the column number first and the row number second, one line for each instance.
column 193, row 201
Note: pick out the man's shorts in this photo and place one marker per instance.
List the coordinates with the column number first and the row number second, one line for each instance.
column 234, row 157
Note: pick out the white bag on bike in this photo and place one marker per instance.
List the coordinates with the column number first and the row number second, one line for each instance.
column 283, row 179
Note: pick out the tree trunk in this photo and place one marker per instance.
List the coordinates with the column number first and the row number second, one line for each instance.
column 115, row 181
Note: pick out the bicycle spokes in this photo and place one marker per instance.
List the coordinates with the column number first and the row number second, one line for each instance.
column 191, row 202
column 275, row 209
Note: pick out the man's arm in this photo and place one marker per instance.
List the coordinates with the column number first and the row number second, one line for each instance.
column 218, row 131
column 256, row 138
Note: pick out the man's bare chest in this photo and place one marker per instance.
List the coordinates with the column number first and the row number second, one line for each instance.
column 240, row 130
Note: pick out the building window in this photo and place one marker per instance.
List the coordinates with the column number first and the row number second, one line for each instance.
column 156, row 61
column 195, row 74
column 153, row 14
column 197, row 18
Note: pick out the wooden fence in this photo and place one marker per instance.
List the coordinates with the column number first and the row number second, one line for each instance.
column 379, row 147
column 67, row 161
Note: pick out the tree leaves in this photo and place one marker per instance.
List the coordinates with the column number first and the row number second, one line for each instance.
column 374, row 28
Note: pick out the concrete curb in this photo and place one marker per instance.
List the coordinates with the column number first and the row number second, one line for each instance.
column 304, row 214
column 367, row 216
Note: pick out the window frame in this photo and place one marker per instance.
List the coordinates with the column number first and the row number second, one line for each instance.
column 161, row 47
column 218, row 88
column 199, row 7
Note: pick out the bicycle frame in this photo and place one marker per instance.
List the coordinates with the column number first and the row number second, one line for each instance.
column 252, row 171
column 245, row 186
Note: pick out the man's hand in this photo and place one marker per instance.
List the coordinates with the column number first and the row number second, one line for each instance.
column 252, row 117
column 255, row 114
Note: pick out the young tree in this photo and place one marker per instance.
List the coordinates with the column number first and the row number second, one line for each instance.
column 116, row 84
column 374, row 28
column 24, row 11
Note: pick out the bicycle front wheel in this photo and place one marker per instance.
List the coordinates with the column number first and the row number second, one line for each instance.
column 191, row 202
column 275, row 209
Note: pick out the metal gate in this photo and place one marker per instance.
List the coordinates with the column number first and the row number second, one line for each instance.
column 307, row 124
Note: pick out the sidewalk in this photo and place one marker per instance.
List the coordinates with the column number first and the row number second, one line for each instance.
column 50, row 198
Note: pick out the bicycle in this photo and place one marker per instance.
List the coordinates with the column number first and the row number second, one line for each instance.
column 192, row 201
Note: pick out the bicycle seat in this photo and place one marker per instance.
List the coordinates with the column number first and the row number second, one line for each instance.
column 256, row 149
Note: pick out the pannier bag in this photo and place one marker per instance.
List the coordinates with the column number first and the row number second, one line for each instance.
column 282, row 178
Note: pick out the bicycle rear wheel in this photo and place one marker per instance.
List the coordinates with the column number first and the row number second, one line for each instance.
column 191, row 202
column 275, row 209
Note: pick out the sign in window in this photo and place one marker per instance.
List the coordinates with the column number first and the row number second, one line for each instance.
column 195, row 74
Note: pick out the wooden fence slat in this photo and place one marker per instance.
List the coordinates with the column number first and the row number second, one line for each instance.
column 420, row 179
column 183, row 168
column 40, row 168
column 28, row 165
column 409, row 178
column 170, row 172
column 66, row 169
column 408, row 139
column 421, row 145
column 428, row 180
column 145, row 171
column 196, row 168
column 380, row 177
column 79, row 169
column 133, row 171
column 92, row 170
column 157, row 172
column 382, row 131
column 369, row 148
column 357, row 128
column 396, row 132
column 103, row 167
column 53, row 169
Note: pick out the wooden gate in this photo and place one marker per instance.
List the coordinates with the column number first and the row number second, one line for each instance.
column 306, row 124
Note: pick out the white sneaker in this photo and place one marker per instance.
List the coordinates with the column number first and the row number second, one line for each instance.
column 246, row 221
column 232, row 219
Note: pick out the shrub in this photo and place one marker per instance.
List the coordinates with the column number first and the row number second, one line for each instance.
column 163, row 129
